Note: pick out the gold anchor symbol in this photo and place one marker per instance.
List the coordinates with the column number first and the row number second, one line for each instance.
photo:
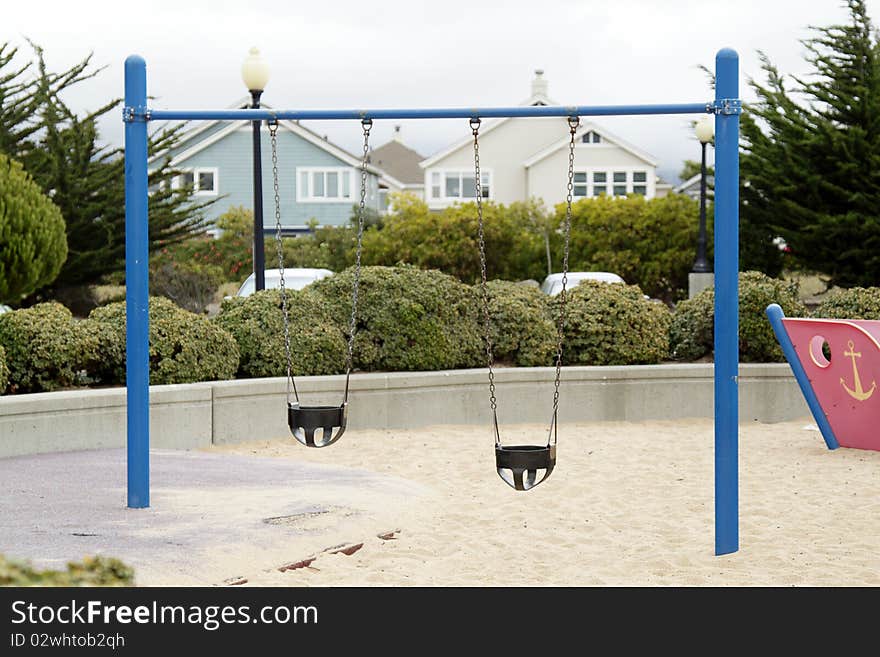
column 858, row 393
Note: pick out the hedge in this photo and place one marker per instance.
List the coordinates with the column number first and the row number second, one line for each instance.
column 4, row 371
column 854, row 303
column 693, row 323
column 613, row 324
column 46, row 348
column 184, row 347
column 91, row 571
column 257, row 324
column 408, row 318
column 523, row 331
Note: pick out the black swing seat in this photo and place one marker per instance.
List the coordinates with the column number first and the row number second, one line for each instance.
column 514, row 461
column 304, row 421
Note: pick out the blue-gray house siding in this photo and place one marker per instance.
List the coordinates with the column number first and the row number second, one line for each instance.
column 230, row 154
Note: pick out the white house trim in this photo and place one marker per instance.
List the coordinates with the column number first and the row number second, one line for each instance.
column 436, row 157
column 302, row 197
column 183, row 156
column 292, row 126
column 446, row 152
column 444, row 201
column 195, row 171
column 603, row 133
column 202, row 126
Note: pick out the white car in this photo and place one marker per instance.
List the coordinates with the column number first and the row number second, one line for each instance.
column 4, row 309
column 294, row 279
column 552, row 285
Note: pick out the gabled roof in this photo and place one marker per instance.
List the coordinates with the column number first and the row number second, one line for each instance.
column 400, row 161
column 692, row 184
column 293, row 126
column 602, row 132
column 535, row 99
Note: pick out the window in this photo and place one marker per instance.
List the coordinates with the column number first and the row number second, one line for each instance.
column 203, row 181
column 324, row 184
column 459, row 185
column 640, row 178
column 589, row 182
column 591, row 138
column 620, row 183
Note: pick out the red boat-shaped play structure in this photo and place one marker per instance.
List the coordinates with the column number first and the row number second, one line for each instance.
column 837, row 364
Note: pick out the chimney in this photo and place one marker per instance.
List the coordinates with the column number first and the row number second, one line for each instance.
column 395, row 136
column 539, row 84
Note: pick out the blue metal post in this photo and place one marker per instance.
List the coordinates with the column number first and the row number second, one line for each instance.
column 137, row 336
column 726, row 304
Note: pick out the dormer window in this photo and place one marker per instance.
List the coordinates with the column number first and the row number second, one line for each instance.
column 591, row 138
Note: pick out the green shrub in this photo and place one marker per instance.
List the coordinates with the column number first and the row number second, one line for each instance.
column 33, row 242
column 693, row 323
column 46, row 348
column 613, row 324
column 651, row 243
column 4, row 371
column 854, row 303
column 91, row 571
column 408, row 319
column 190, row 285
column 230, row 255
column 446, row 240
column 184, row 347
column 522, row 329
column 256, row 322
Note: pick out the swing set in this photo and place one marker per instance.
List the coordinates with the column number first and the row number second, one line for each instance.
column 521, row 466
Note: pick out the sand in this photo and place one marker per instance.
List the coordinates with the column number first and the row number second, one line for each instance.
column 628, row 504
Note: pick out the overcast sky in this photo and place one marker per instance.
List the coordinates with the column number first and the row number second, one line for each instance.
column 411, row 53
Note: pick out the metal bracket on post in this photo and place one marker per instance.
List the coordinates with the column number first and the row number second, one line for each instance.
column 132, row 114
column 725, row 106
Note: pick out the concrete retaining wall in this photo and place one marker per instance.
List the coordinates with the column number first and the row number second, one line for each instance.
column 196, row 415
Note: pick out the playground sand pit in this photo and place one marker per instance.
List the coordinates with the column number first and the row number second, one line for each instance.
column 629, row 504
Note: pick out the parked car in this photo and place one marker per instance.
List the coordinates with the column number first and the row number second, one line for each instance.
column 552, row 285
column 294, row 279
column 4, row 309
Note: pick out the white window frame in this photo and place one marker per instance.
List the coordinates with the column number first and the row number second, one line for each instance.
column 609, row 183
column 196, row 171
column 461, row 173
column 307, row 195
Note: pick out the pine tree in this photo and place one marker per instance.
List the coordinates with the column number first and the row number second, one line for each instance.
column 811, row 158
column 85, row 179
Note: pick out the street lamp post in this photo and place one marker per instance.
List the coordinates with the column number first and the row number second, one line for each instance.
column 701, row 275
column 255, row 75
column 705, row 131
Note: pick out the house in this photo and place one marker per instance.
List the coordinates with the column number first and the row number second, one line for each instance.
column 400, row 164
column 691, row 187
column 524, row 158
column 317, row 180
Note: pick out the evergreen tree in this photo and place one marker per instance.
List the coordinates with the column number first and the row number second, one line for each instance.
column 811, row 159
column 84, row 178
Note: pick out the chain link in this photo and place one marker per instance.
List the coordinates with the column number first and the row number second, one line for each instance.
column 573, row 123
column 279, row 248
column 367, row 125
column 478, row 188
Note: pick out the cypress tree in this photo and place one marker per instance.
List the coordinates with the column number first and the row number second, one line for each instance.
column 84, row 178
column 811, row 158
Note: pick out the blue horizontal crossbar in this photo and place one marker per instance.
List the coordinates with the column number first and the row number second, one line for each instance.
column 427, row 113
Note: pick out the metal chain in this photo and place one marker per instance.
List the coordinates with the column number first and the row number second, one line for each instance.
column 273, row 134
column 573, row 123
column 367, row 124
column 487, row 324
